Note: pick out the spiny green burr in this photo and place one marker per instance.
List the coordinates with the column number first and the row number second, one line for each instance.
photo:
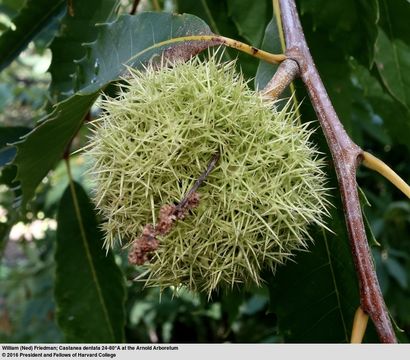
column 157, row 137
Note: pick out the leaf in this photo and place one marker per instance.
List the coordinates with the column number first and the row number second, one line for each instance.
column 385, row 111
column 247, row 17
column 365, row 121
column 338, row 20
column 33, row 17
column 39, row 150
column 397, row 272
column 336, row 77
column 7, row 136
column 394, row 19
column 67, row 47
column 89, row 288
column 315, row 297
column 312, row 301
column 215, row 13
column 131, row 40
column 135, row 40
column 369, row 14
column 393, row 63
column 270, row 43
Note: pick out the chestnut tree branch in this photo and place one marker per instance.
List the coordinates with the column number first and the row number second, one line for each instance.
column 287, row 71
column 346, row 157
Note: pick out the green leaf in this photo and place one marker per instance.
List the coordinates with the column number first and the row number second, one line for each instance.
column 338, row 20
column 33, row 17
column 216, row 14
column 336, row 77
column 135, row 40
column 397, row 272
column 39, row 150
column 393, row 63
column 315, row 297
column 131, row 40
column 9, row 135
column 247, row 16
column 67, row 47
column 89, row 289
column 385, row 111
column 270, row 43
column 394, row 18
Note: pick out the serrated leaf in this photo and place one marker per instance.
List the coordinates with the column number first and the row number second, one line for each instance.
column 315, row 297
column 9, row 135
column 89, row 289
column 130, row 40
column 247, row 16
column 38, row 152
column 308, row 298
column 135, row 40
column 393, row 63
column 32, row 18
column 75, row 30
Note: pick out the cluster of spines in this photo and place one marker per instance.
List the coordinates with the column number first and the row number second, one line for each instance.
column 158, row 136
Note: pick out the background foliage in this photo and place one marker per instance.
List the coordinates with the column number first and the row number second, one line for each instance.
column 54, row 274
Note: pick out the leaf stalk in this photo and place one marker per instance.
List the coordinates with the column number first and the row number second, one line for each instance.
column 359, row 326
column 374, row 163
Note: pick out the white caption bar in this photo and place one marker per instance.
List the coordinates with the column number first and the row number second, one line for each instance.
column 202, row 351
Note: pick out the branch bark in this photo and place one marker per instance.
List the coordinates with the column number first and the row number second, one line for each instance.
column 287, row 71
column 346, row 157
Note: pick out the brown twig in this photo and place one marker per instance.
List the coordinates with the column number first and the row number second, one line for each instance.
column 148, row 242
column 284, row 75
column 199, row 182
column 346, row 157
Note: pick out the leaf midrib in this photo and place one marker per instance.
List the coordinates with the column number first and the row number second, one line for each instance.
column 88, row 254
column 339, row 304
